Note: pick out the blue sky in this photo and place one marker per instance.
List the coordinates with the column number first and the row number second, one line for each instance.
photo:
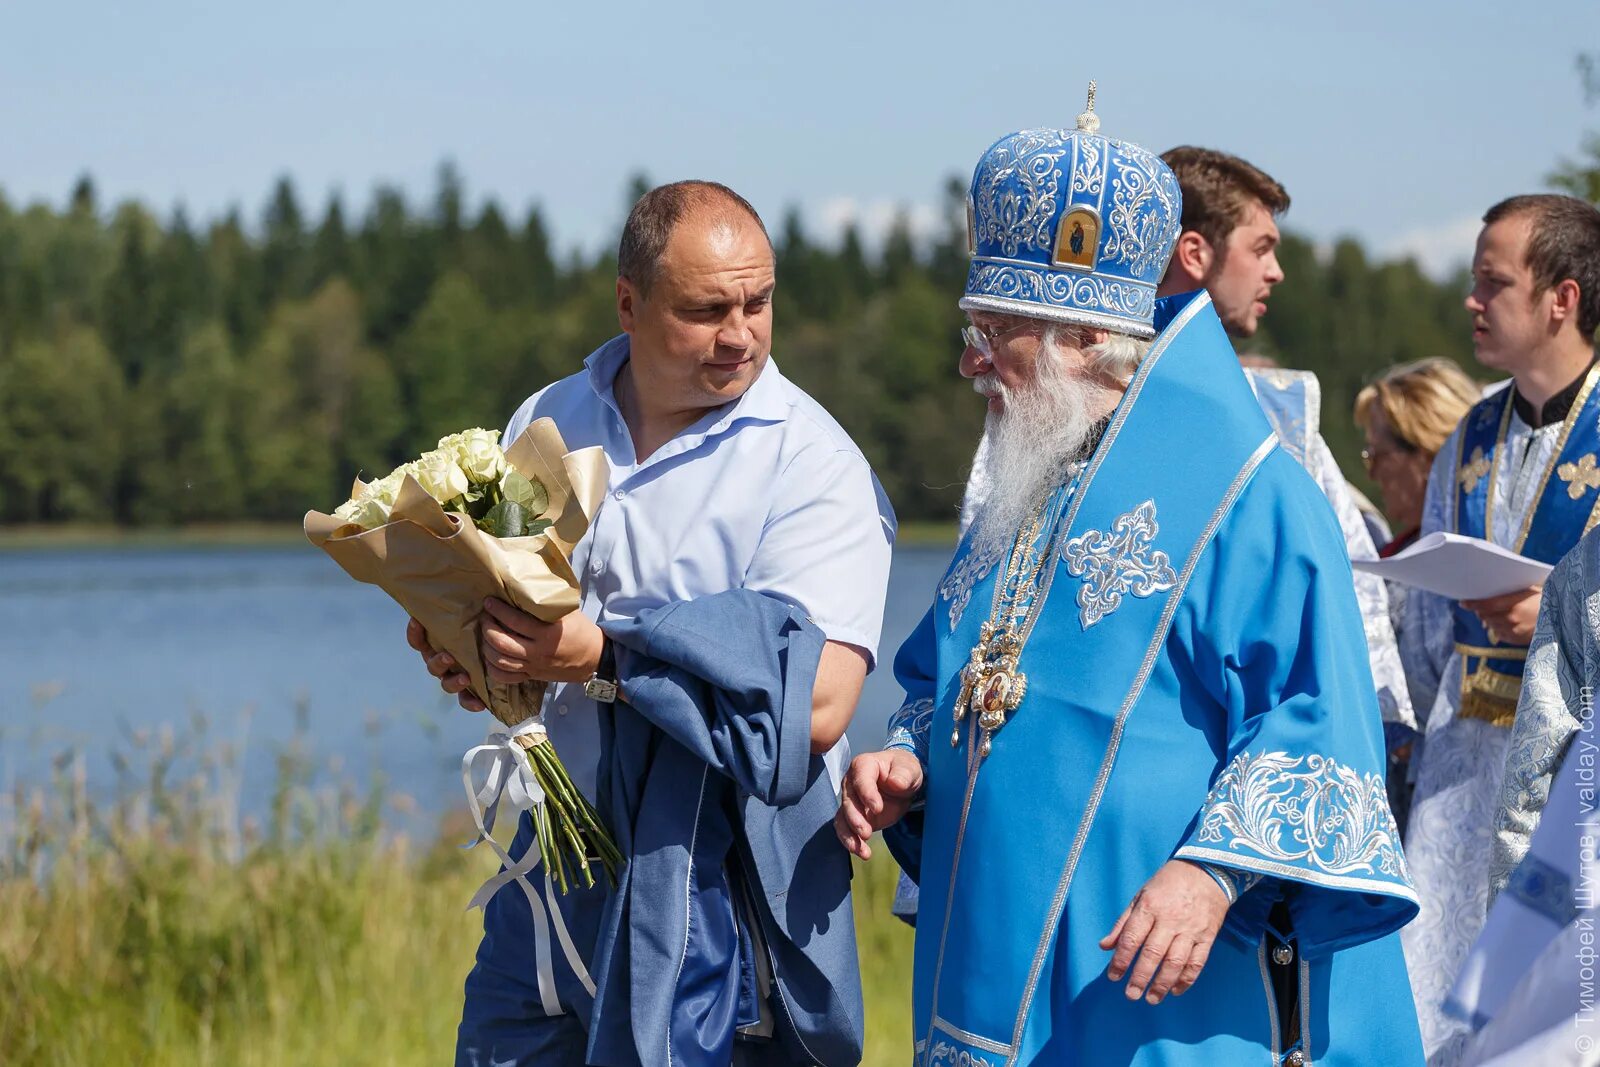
column 1398, row 122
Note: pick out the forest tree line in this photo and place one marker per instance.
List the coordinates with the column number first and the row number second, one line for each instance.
column 154, row 371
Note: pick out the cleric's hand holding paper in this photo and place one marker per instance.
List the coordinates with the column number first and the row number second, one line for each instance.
column 1458, row 567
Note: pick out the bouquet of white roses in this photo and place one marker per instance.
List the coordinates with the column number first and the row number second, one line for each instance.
column 442, row 533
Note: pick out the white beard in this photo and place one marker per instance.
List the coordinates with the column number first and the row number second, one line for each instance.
column 1026, row 448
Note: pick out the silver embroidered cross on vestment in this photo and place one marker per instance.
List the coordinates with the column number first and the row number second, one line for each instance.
column 1118, row 563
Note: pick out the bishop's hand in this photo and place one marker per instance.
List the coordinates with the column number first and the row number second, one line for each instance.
column 877, row 791
column 1175, row 917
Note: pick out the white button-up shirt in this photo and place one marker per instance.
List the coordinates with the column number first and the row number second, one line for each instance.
column 767, row 493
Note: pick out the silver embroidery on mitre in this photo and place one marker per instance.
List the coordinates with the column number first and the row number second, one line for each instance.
column 1144, row 212
column 1119, row 563
column 1020, row 218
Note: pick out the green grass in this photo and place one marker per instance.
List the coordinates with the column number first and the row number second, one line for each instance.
column 333, row 954
column 86, row 535
column 884, row 945
column 162, row 930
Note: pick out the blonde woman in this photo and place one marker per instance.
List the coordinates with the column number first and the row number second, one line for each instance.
column 1407, row 414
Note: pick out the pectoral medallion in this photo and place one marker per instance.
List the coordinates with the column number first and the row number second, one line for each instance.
column 991, row 685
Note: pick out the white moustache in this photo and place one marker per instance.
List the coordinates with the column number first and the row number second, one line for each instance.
column 988, row 384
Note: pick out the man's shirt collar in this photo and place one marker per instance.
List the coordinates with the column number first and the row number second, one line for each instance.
column 765, row 400
column 1555, row 409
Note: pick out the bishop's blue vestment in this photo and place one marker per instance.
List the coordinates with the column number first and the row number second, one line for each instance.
column 1196, row 686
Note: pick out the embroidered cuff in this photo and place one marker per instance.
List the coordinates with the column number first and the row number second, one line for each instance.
column 1219, row 876
column 1225, row 883
column 1305, row 817
column 1234, row 882
column 909, row 728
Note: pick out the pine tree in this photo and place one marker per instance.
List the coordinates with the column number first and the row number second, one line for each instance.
column 853, row 282
column 129, row 318
column 490, row 258
column 236, row 270
column 448, row 212
column 399, row 265
column 285, row 263
column 899, row 252
column 948, row 260
column 183, row 290
column 330, row 248
column 537, row 259
column 82, row 202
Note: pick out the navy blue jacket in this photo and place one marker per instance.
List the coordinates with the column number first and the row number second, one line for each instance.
column 722, row 813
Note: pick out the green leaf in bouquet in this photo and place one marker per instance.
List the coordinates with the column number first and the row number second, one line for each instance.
column 506, row 519
column 538, row 526
column 528, row 492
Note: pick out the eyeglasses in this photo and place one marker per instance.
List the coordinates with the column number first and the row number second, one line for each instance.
column 1370, row 457
column 984, row 342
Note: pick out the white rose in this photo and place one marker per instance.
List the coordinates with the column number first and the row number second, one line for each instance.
column 371, row 505
column 439, row 474
column 477, row 452
column 367, row 512
column 385, row 489
column 374, row 513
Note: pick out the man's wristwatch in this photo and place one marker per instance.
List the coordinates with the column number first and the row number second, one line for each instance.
column 602, row 688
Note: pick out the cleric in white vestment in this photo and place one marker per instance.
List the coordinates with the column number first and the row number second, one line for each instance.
column 1518, row 471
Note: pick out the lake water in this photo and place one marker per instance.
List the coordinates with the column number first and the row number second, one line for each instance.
column 103, row 650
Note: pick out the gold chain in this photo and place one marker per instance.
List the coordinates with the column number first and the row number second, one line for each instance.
column 991, row 684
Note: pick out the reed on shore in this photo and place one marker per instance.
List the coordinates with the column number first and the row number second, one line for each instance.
column 161, row 927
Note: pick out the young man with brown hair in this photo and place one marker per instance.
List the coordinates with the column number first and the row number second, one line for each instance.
column 1518, row 471
column 1228, row 246
column 1229, row 242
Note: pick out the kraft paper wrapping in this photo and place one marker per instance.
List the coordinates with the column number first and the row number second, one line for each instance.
column 440, row 567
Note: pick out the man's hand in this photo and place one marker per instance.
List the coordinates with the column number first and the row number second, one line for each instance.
column 1175, row 917
column 878, row 790
column 443, row 666
column 518, row 647
column 1510, row 617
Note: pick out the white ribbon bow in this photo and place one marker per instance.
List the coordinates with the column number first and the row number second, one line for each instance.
column 509, row 777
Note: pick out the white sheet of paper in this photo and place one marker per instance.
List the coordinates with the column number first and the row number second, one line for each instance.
column 1461, row 568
